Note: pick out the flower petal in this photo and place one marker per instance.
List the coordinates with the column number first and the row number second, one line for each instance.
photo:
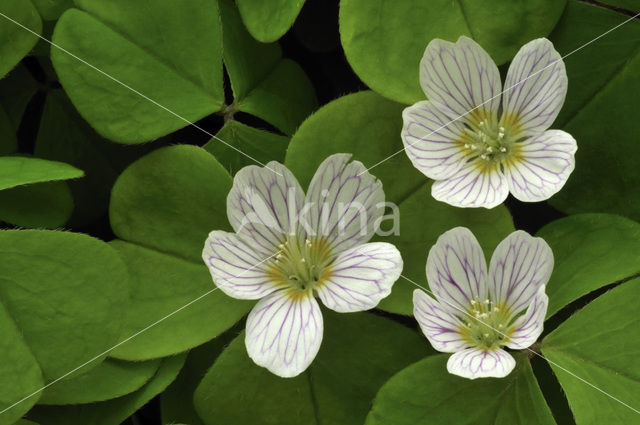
column 284, row 332
column 236, row 268
column 437, row 323
column 477, row 184
column 462, row 76
column 520, row 265
column 263, row 204
column 529, row 326
column 361, row 277
column 433, row 140
column 344, row 203
column 474, row 363
column 457, row 271
column 535, row 88
column 542, row 166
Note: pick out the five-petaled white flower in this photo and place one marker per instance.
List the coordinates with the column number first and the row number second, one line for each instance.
column 287, row 246
column 475, row 314
column 477, row 148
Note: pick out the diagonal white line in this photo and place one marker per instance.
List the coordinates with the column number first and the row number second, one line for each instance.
column 534, row 352
column 137, row 92
column 133, row 336
column 501, row 93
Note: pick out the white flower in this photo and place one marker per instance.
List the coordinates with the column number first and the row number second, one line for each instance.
column 287, row 246
column 475, row 314
column 477, row 148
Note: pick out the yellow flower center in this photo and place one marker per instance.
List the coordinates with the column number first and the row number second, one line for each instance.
column 489, row 141
column 301, row 265
column 487, row 324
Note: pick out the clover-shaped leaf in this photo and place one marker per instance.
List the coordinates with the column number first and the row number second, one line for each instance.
column 263, row 83
column 114, row 411
column 384, row 41
column 331, row 391
column 590, row 251
column 171, row 54
column 598, row 111
column 600, row 344
column 268, row 21
column 16, row 42
column 48, row 282
column 162, row 208
column 424, row 389
column 110, row 379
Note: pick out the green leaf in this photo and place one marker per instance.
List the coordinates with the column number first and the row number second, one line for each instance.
column 15, row 41
column 19, row 170
column 51, row 10
column 590, row 251
column 364, row 124
column 48, row 284
column 425, row 393
column 284, row 98
column 422, row 220
column 19, row 370
column 261, row 145
column 265, row 85
column 64, row 136
column 171, row 53
column 268, row 21
column 384, row 41
column 111, row 379
column 176, row 402
column 42, row 205
column 368, row 126
column 602, row 86
column 161, row 285
column 170, row 199
column 111, row 412
column 600, row 344
column 247, row 61
column 338, row 387
column 165, row 204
